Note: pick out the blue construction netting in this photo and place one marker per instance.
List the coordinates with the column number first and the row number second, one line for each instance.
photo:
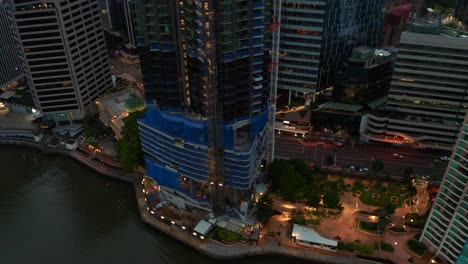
column 162, row 175
column 195, row 131
column 178, row 126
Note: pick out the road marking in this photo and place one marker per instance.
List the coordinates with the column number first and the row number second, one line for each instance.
column 315, row 154
column 323, row 154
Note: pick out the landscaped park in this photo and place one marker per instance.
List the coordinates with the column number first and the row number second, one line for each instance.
column 352, row 211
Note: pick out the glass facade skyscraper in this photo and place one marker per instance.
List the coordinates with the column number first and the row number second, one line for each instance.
column 446, row 230
column 204, row 71
column 461, row 11
column 318, row 36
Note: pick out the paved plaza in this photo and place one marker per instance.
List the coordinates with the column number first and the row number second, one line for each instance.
column 344, row 226
column 16, row 121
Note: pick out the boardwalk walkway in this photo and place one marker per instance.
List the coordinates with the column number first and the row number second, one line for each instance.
column 210, row 247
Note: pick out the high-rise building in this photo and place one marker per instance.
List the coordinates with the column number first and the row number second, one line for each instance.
column 461, row 11
column 65, row 55
column 317, row 37
column 117, row 19
column 397, row 14
column 428, row 96
column 204, row 67
column 446, row 230
column 11, row 64
column 365, row 76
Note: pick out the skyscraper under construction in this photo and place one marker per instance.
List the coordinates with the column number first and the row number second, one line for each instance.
column 204, row 70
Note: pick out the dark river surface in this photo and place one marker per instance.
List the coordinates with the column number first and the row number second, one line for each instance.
column 55, row 210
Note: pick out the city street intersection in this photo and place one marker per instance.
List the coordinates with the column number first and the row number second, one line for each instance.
column 422, row 161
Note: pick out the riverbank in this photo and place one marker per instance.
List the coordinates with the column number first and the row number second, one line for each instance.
column 209, row 248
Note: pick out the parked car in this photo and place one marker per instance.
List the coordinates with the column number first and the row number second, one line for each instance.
column 339, row 144
column 397, row 156
column 445, row 158
column 363, row 170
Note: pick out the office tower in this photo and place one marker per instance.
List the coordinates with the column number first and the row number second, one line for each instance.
column 317, row 37
column 461, row 11
column 117, row 19
column 446, row 230
column 204, row 71
column 417, row 7
column 428, row 96
column 11, row 65
column 396, row 17
column 65, row 54
column 365, row 76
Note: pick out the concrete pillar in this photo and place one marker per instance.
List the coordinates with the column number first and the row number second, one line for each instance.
column 234, row 196
column 313, row 98
column 289, row 98
column 295, row 95
column 190, row 186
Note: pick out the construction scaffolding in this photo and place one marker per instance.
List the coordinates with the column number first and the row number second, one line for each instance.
column 215, row 108
column 274, row 28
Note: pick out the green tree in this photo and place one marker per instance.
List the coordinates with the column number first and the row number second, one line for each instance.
column 289, row 183
column 312, row 199
column 129, row 147
column 264, row 209
column 389, row 209
column 378, row 166
column 331, row 199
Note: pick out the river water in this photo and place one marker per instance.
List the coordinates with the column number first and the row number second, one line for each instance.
column 55, row 210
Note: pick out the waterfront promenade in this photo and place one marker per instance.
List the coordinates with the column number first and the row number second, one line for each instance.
column 209, row 247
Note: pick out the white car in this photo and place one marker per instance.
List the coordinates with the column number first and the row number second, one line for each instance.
column 445, row 158
column 363, row 170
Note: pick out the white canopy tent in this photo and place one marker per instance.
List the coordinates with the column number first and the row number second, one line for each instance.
column 308, row 236
column 203, row 228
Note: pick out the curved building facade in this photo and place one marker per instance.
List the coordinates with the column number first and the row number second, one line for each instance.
column 204, row 71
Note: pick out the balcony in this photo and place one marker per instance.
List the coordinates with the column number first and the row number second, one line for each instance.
column 257, row 86
column 257, row 78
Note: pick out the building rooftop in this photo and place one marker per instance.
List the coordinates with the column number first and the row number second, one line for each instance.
column 203, row 228
column 343, row 107
column 435, row 27
column 371, row 57
column 115, row 101
column 7, row 95
column 310, row 235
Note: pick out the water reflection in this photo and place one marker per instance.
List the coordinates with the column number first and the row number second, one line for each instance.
column 54, row 210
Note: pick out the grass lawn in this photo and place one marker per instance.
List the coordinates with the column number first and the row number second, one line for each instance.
column 398, row 229
column 228, row 236
column 384, row 246
column 393, row 189
column 369, row 227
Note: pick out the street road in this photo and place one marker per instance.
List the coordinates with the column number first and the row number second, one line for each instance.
column 289, row 147
column 120, row 67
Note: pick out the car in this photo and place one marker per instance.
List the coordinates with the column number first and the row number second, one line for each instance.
column 363, row 170
column 397, row 156
column 445, row 158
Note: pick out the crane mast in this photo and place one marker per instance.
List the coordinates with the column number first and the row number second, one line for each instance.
column 274, row 28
